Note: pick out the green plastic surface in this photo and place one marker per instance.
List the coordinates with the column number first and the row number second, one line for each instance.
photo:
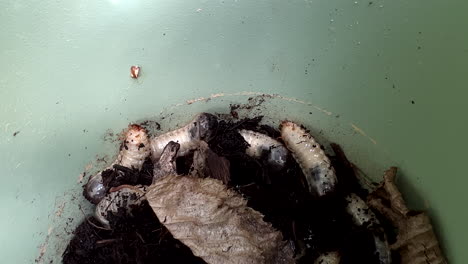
column 386, row 79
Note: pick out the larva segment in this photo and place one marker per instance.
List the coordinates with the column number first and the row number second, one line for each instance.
column 135, row 149
column 311, row 158
column 261, row 145
column 202, row 127
column 362, row 215
column 328, row 258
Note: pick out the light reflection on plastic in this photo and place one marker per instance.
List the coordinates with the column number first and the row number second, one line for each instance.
column 115, row 2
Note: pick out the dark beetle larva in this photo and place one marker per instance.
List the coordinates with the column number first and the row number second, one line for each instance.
column 311, row 158
column 135, row 149
column 202, row 127
column 261, row 145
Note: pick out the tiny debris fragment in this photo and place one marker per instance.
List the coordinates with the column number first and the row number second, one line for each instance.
column 134, row 71
column 16, row 133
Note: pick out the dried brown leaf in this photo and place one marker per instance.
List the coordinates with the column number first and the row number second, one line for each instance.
column 416, row 240
column 215, row 222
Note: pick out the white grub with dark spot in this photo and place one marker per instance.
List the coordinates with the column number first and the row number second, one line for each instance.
column 311, row 158
column 328, row 258
column 260, row 145
column 359, row 210
column 362, row 215
column 124, row 196
column 202, row 127
column 135, row 149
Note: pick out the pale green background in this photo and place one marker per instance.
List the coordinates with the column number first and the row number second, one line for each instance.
column 64, row 69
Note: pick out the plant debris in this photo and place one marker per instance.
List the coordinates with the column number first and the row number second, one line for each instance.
column 215, row 222
column 416, row 241
column 312, row 229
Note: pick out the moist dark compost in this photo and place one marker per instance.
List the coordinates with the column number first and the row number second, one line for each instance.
column 139, row 238
column 311, row 226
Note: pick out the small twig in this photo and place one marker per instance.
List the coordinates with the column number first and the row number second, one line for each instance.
column 156, row 230
column 162, row 235
column 81, row 209
column 111, row 202
column 141, row 238
column 246, row 185
column 105, row 241
column 96, row 226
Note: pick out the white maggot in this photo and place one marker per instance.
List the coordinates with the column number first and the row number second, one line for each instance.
column 261, row 144
column 201, row 127
column 311, row 158
column 135, row 149
column 363, row 215
column 124, row 196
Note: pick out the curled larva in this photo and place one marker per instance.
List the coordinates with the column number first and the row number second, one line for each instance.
column 262, row 145
column 124, row 196
column 202, row 127
column 311, row 158
column 135, row 149
column 362, row 215
column 332, row 257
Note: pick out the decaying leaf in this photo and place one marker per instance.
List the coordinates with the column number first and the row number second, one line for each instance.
column 206, row 163
column 166, row 163
column 215, row 222
column 416, row 240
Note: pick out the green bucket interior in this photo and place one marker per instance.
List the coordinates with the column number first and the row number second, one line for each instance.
column 385, row 79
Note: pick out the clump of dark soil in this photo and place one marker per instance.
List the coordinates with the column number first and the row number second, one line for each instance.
column 312, row 225
column 139, row 238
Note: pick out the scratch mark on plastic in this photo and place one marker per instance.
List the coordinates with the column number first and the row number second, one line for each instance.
column 247, row 93
column 360, row 131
